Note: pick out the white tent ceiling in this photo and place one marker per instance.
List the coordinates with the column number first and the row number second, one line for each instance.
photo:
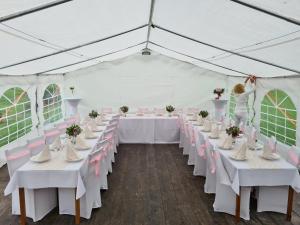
column 233, row 37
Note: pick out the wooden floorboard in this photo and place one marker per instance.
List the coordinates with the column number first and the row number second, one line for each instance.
column 151, row 185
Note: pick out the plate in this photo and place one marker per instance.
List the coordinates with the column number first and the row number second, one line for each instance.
column 192, row 120
column 38, row 161
column 205, row 130
column 97, row 130
column 213, row 137
column 237, row 159
column 77, row 160
column 257, row 147
column 94, row 137
column 274, row 156
column 82, row 149
column 220, row 147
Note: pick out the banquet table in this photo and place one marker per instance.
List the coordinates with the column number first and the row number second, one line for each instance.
column 256, row 171
column 55, row 173
column 149, row 129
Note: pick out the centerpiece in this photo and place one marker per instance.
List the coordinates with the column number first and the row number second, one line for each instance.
column 233, row 131
column 170, row 109
column 202, row 115
column 219, row 92
column 124, row 109
column 73, row 131
column 72, row 88
column 93, row 114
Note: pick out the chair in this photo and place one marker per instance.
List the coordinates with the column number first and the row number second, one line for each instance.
column 39, row 202
column 186, row 143
column 181, row 132
column 192, row 144
column 51, row 134
column 200, row 158
column 109, row 136
column 36, row 145
column 210, row 181
column 92, row 198
column 225, row 198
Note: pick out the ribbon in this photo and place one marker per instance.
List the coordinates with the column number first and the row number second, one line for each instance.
column 62, row 126
column 96, row 161
column 272, row 145
column 36, row 144
column 294, row 158
column 18, row 155
column 214, row 157
column 52, row 133
column 201, row 150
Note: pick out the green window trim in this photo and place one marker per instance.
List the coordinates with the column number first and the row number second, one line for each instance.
column 15, row 113
column 52, row 102
column 278, row 117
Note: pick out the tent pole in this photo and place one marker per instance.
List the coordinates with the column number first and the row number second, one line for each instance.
column 90, row 59
column 226, row 50
column 150, row 21
column 287, row 19
column 32, row 10
column 75, row 47
column 201, row 60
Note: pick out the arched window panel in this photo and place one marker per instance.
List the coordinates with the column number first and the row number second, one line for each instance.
column 278, row 117
column 15, row 115
column 52, row 104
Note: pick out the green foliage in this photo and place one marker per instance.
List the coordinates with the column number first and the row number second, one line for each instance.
column 124, row 108
column 170, row 108
column 203, row 113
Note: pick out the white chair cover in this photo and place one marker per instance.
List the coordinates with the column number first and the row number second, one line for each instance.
column 36, row 145
column 39, row 202
column 192, row 145
column 92, row 198
column 186, row 143
column 225, row 197
column 200, row 158
column 181, row 132
column 109, row 135
column 210, row 181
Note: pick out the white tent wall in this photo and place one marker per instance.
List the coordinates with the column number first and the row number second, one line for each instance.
column 32, row 85
column 143, row 81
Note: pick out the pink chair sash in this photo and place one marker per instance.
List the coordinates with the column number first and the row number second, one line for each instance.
column 52, row 133
column 96, row 160
column 272, row 145
column 18, row 155
column 294, row 158
column 62, row 126
column 201, row 150
column 214, row 157
column 36, row 144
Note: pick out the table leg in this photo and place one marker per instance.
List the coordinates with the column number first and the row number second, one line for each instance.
column 290, row 204
column 77, row 209
column 22, row 206
column 238, row 207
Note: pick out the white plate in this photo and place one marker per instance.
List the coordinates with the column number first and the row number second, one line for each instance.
column 237, row 159
column 38, row 161
column 205, row 130
column 220, row 147
column 82, row 149
column 257, row 147
column 77, row 160
column 96, row 131
column 91, row 137
column 274, row 156
column 213, row 137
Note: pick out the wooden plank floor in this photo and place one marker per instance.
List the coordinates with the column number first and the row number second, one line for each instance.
column 151, row 185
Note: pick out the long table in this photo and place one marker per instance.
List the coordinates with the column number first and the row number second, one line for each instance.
column 55, row 173
column 256, row 172
column 149, row 129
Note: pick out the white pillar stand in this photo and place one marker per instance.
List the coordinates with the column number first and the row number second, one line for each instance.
column 220, row 108
column 72, row 106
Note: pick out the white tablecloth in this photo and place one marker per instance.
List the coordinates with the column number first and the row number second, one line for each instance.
column 55, row 173
column 253, row 172
column 149, row 129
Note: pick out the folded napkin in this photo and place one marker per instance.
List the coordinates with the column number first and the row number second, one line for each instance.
column 214, row 131
column 226, row 142
column 85, row 120
column 98, row 121
column 93, row 125
column 240, row 152
column 44, row 155
column 200, row 120
column 71, row 154
column 88, row 133
column 81, row 143
column 207, row 125
column 269, row 148
column 56, row 145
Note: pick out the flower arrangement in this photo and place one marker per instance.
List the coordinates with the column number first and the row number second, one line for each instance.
column 170, row 108
column 203, row 113
column 124, row 109
column 233, row 131
column 72, row 88
column 73, row 131
column 93, row 114
column 219, row 92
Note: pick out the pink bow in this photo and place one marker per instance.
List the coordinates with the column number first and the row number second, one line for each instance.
column 272, row 146
column 52, row 133
column 36, row 144
column 201, row 150
column 214, row 157
column 18, row 155
column 96, row 161
column 62, row 126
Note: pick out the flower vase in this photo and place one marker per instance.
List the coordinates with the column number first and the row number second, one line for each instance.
column 170, row 114
column 73, row 140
